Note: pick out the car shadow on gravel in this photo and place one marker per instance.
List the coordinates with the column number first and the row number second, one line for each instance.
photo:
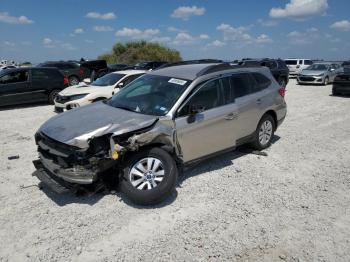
column 211, row 164
column 23, row 106
column 222, row 161
column 70, row 198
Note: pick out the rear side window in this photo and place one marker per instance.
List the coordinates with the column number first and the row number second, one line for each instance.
column 242, row 84
column 281, row 64
column 262, row 82
column 37, row 73
column 269, row 64
column 227, row 91
column 14, row 77
column 307, row 62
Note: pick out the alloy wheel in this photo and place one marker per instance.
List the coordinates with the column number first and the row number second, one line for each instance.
column 265, row 132
column 147, row 173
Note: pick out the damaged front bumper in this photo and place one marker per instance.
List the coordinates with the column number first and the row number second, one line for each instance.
column 63, row 167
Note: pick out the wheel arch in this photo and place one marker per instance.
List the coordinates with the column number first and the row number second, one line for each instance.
column 274, row 116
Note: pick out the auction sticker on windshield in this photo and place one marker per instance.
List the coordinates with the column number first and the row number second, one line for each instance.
column 177, row 81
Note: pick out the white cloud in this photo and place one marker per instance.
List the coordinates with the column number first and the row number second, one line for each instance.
column 47, row 41
column 97, row 15
column 303, row 38
column 79, row 31
column 300, row 9
column 162, row 39
column 185, row 12
column 102, row 28
column 217, row 43
column 135, row 33
column 89, row 41
column 231, row 33
column 263, row 39
column 341, row 25
column 174, row 29
column 204, row 36
column 6, row 18
column 50, row 43
column 8, row 43
column 184, row 38
column 267, row 23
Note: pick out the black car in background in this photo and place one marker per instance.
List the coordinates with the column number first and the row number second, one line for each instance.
column 277, row 67
column 341, row 83
column 117, row 67
column 148, row 65
column 72, row 70
column 27, row 85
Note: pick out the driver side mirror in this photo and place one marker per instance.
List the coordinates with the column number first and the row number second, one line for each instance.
column 120, row 85
column 87, row 81
column 331, row 69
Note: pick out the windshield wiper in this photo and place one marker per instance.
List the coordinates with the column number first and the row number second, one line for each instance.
column 125, row 108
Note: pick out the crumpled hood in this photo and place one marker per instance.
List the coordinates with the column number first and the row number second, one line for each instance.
column 312, row 72
column 77, row 126
column 83, row 89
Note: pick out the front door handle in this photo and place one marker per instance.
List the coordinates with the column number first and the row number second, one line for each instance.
column 258, row 101
column 231, row 116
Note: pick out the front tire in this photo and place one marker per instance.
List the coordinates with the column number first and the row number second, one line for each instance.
column 326, row 81
column 149, row 177
column 264, row 132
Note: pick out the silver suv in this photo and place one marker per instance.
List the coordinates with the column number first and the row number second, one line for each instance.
column 159, row 123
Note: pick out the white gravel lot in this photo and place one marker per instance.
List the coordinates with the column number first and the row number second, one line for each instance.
column 292, row 205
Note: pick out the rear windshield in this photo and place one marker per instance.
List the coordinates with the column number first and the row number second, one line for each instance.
column 108, row 80
column 318, row 67
column 291, row 62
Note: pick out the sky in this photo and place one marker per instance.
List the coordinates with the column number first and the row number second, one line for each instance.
column 36, row 30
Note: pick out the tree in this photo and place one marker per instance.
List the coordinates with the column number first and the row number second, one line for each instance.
column 134, row 52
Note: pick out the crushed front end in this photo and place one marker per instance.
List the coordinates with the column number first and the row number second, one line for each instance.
column 61, row 166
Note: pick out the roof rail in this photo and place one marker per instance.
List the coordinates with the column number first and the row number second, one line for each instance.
column 191, row 62
column 222, row 67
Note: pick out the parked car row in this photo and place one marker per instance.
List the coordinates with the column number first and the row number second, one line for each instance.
column 28, row 85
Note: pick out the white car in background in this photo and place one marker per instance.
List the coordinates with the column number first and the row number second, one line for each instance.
column 103, row 88
column 296, row 65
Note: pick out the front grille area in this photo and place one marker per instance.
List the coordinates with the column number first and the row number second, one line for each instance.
column 62, row 99
column 58, row 152
column 307, row 78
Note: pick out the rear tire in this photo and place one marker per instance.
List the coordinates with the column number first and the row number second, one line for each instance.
column 149, row 177
column 73, row 81
column 264, row 132
column 52, row 96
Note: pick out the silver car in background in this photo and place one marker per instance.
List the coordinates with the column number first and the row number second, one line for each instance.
column 319, row 73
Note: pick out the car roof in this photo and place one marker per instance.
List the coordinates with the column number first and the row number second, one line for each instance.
column 189, row 72
column 130, row 72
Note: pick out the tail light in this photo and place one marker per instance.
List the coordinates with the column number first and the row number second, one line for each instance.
column 81, row 72
column 65, row 81
column 282, row 91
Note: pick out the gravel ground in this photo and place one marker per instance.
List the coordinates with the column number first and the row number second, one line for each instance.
column 292, row 205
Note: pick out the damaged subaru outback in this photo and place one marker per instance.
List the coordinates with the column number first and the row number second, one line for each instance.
column 167, row 119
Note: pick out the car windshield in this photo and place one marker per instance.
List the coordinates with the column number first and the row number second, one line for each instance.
column 108, row 80
column 150, row 94
column 318, row 67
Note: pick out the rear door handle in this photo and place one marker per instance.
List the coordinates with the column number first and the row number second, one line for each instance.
column 258, row 101
column 231, row 116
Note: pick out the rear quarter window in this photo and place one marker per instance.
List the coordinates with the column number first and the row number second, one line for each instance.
column 262, row 82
